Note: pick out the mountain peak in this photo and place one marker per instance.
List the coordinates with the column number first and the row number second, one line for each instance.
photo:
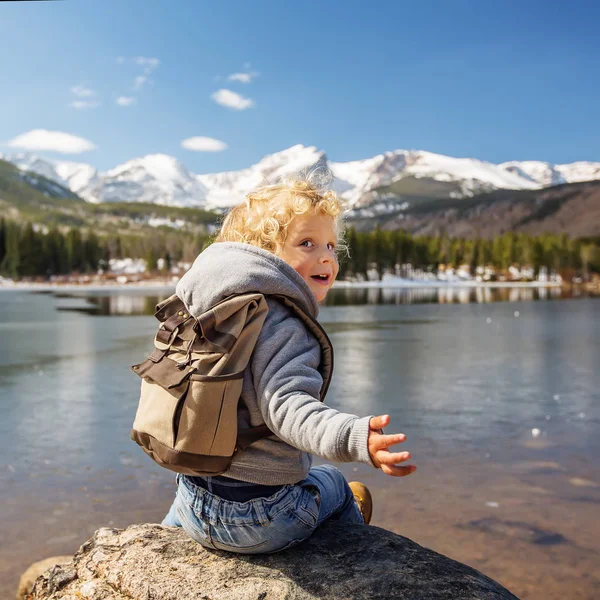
column 158, row 166
column 229, row 188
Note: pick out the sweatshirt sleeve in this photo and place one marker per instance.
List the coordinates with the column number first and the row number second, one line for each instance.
column 287, row 381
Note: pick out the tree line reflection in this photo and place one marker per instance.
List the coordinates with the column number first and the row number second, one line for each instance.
column 129, row 304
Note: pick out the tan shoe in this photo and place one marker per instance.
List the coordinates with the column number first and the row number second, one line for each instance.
column 362, row 495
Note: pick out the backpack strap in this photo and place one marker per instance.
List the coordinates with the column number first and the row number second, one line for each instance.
column 251, row 435
column 316, row 329
column 172, row 312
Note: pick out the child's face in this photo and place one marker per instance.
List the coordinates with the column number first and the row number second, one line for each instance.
column 310, row 249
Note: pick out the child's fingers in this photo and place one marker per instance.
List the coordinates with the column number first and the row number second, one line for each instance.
column 379, row 422
column 398, row 471
column 386, row 440
column 391, row 458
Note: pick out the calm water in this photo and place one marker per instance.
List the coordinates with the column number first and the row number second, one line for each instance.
column 466, row 374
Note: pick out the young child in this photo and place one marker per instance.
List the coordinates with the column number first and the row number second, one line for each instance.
column 283, row 240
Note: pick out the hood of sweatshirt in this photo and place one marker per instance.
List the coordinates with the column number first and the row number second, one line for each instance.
column 227, row 268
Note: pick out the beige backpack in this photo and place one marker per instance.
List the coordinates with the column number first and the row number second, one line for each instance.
column 191, row 384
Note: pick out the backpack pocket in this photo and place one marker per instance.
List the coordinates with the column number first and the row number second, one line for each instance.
column 191, row 413
column 206, row 419
column 163, row 386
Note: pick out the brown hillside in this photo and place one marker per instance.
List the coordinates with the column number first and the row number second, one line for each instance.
column 573, row 209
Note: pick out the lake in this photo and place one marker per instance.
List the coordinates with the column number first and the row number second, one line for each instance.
column 497, row 390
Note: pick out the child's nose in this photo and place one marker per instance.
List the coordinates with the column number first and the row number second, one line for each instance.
column 327, row 256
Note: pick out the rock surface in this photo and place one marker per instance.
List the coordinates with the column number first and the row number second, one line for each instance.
column 340, row 561
column 35, row 570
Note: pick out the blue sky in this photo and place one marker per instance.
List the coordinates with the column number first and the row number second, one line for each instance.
column 509, row 80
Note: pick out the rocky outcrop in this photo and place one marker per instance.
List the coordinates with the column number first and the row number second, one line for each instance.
column 340, row 561
column 35, row 570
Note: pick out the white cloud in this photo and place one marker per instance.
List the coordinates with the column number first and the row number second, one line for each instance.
column 53, row 141
column 203, row 144
column 242, row 77
column 125, row 100
column 85, row 98
column 232, row 100
column 139, row 81
column 84, row 104
column 149, row 64
column 82, row 92
column 145, row 61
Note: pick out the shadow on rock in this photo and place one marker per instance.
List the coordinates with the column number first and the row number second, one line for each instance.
column 340, row 561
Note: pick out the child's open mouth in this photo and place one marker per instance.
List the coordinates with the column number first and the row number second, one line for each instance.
column 322, row 279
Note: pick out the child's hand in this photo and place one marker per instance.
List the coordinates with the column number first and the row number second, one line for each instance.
column 378, row 449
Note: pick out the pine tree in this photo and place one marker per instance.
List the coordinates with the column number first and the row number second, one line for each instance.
column 151, row 260
column 498, row 253
column 525, row 251
column 167, row 263
column 469, row 255
column 2, row 239
column 75, row 254
column 434, row 251
column 537, row 254
column 377, row 255
column 11, row 260
column 30, row 252
column 507, row 253
column 92, row 252
column 444, row 255
column 456, row 253
column 590, row 258
column 54, row 253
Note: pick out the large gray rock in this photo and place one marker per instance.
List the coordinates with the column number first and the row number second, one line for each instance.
column 340, row 561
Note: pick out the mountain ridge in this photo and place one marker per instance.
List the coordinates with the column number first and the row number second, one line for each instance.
column 382, row 182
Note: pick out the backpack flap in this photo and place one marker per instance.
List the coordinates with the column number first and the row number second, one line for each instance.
column 165, row 373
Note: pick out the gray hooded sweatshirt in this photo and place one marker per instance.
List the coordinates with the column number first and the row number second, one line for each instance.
column 281, row 383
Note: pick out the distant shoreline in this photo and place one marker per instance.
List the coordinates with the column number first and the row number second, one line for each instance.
column 393, row 284
column 153, row 285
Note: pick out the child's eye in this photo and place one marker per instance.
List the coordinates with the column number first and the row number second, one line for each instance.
column 331, row 247
column 307, row 243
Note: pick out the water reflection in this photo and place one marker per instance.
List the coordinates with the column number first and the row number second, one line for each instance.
column 125, row 303
column 441, row 295
column 114, row 304
column 55, row 398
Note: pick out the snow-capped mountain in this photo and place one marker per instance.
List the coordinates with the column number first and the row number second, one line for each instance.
column 156, row 178
column 401, row 174
column 75, row 176
column 229, row 188
column 78, row 177
column 546, row 174
column 358, row 178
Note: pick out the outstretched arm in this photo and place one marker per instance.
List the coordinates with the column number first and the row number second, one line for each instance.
column 287, row 382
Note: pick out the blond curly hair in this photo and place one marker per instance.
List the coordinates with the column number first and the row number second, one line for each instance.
column 263, row 219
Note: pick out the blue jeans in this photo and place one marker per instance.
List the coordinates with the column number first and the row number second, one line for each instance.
column 263, row 525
